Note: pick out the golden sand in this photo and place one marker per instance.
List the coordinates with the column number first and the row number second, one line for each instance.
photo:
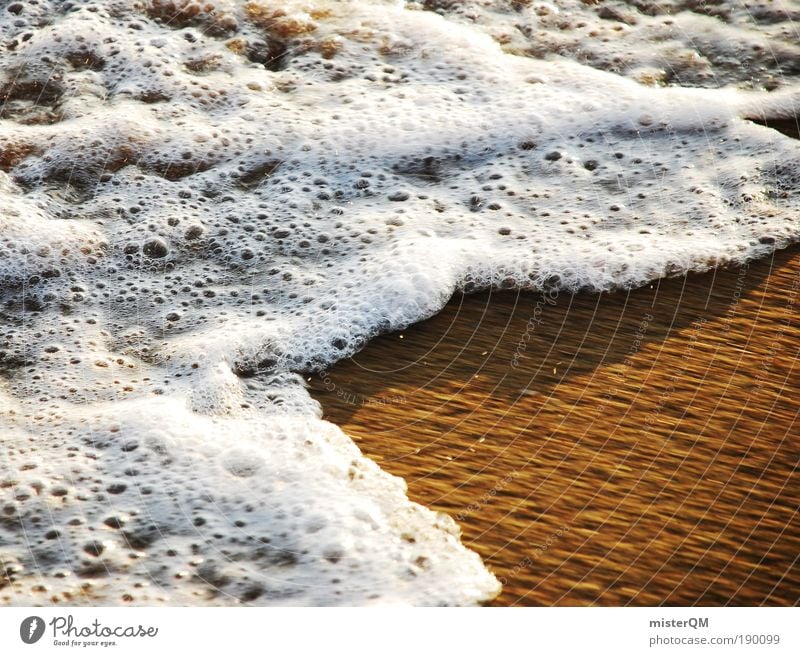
column 625, row 448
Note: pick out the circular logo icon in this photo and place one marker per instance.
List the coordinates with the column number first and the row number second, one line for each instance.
column 31, row 629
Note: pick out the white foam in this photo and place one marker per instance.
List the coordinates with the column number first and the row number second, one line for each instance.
column 199, row 209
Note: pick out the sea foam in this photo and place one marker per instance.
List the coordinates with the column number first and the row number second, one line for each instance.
column 202, row 201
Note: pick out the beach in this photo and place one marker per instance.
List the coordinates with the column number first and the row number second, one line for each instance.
column 625, row 448
column 224, row 222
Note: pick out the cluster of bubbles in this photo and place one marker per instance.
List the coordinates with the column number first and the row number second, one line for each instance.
column 695, row 43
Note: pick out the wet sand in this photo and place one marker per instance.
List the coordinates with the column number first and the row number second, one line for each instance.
column 626, row 448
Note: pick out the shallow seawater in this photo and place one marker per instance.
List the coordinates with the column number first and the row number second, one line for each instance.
column 202, row 201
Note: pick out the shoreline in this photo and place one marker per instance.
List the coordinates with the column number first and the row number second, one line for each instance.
column 616, row 448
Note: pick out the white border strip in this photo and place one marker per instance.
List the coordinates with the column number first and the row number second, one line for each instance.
column 406, row 631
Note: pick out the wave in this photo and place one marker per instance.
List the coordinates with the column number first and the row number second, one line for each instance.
column 204, row 201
